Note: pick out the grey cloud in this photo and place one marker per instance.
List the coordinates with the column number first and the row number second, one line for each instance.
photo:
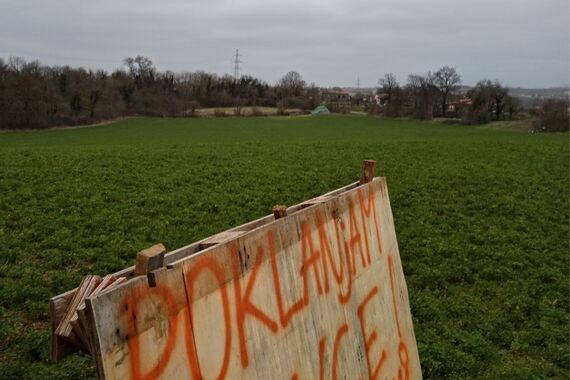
column 521, row 42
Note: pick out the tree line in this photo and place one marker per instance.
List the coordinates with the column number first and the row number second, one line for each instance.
column 33, row 95
column 438, row 94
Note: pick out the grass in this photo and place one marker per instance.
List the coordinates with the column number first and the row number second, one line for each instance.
column 481, row 216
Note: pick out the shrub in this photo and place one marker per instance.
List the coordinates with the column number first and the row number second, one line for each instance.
column 193, row 105
column 238, row 110
column 220, row 113
column 553, row 116
column 373, row 109
column 256, row 111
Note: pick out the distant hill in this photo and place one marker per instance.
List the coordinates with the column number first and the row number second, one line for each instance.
column 530, row 96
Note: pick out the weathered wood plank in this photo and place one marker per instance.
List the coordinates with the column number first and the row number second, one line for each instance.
column 318, row 294
column 65, row 328
column 59, row 347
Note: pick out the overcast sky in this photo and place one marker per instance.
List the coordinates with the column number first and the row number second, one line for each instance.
column 520, row 42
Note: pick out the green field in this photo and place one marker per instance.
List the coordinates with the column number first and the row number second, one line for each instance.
column 482, row 218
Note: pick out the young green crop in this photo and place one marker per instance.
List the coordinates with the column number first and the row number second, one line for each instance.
column 481, row 216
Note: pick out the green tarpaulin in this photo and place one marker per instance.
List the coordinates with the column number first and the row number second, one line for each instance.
column 320, row 110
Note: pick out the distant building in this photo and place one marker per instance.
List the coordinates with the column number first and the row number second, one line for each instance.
column 380, row 99
column 336, row 100
column 459, row 106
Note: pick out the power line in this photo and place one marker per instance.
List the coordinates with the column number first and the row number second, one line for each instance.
column 358, row 83
column 236, row 63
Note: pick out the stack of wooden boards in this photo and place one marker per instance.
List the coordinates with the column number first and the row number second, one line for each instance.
column 74, row 326
column 70, row 325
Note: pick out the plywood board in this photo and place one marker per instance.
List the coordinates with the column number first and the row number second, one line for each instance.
column 319, row 293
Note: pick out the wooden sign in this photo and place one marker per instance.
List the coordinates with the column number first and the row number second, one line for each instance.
column 318, row 293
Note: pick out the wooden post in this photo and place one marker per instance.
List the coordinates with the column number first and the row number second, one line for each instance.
column 279, row 211
column 150, row 259
column 367, row 171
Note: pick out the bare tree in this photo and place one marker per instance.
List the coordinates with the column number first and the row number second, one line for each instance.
column 16, row 64
column 388, row 85
column 427, row 96
column 447, row 80
column 291, row 85
column 489, row 100
column 292, row 82
column 554, row 116
column 313, row 96
column 500, row 95
column 413, row 88
column 512, row 105
column 141, row 70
